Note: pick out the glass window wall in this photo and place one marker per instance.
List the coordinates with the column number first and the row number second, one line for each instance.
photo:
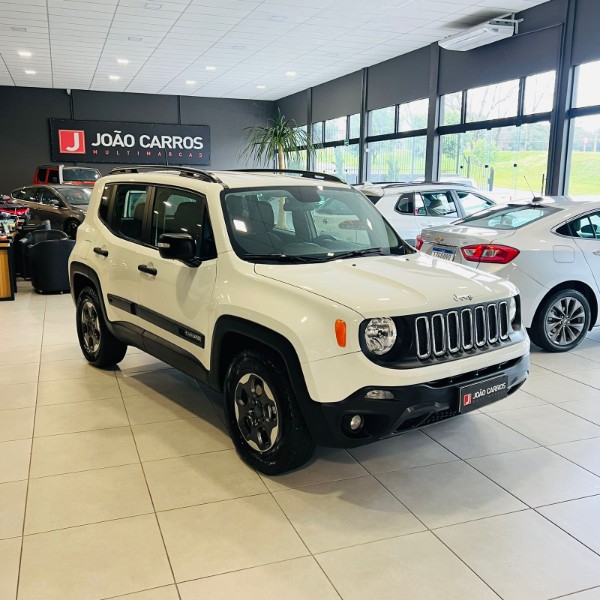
column 495, row 101
column 539, row 93
column 413, row 115
column 341, row 161
column 396, row 160
column 382, row 121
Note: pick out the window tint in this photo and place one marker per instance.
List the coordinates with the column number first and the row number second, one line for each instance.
column 128, row 211
column 406, row 204
column 587, row 227
column 47, row 197
column 105, row 203
column 53, row 176
column 178, row 211
column 26, row 194
column 472, row 203
column 437, row 204
column 42, row 174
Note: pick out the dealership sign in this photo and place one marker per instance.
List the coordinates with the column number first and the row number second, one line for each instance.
column 137, row 143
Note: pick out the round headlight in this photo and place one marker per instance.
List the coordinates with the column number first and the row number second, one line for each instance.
column 512, row 308
column 380, row 335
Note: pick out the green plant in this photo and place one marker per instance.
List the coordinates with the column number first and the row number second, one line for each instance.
column 279, row 137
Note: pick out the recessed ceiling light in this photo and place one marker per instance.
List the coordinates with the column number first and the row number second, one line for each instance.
column 211, row 68
column 291, row 74
column 154, row 5
column 123, row 61
column 19, row 28
column 29, row 72
column 134, row 38
column 190, row 82
column 277, row 18
column 261, row 87
column 114, row 77
column 24, row 53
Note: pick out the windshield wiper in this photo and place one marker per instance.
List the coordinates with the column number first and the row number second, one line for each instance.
column 357, row 253
column 284, row 258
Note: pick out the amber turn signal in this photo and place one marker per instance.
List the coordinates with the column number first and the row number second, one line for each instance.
column 340, row 333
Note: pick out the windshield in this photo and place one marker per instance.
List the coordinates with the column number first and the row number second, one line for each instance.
column 508, row 217
column 80, row 174
column 76, row 196
column 306, row 224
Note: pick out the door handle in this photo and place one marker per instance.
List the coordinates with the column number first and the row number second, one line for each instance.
column 100, row 251
column 148, row 270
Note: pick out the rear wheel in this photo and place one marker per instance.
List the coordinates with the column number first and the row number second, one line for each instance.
column 561, row 322
column 99, row 346
column 262, row 415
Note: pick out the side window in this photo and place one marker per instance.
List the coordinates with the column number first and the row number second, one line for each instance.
column 406, row 204
column 105, row 203
column 587, row 227
column 128, row 211
column 178, row 211
column 42, row 174
column 439, row 204
column 53, row 176
column 47, row 197
column 472, row 203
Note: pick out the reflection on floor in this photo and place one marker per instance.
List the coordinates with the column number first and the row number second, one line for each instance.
column 124, row 484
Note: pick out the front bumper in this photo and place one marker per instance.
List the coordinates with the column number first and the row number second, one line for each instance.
column 414, row 406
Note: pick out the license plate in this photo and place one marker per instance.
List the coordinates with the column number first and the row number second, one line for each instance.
column 442, row 253
column 476, row 395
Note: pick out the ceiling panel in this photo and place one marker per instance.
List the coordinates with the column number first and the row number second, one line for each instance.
column 283, row 45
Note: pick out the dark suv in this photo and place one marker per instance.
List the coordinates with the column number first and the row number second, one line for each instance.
column 63, row 205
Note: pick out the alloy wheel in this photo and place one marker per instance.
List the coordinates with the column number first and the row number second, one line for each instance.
column 256, row 412
column 565, row 321
column 90, row 327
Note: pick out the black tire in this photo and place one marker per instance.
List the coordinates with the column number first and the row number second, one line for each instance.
column 262, row 415
column 99, row 346
column 70, row 228
column 561, row 321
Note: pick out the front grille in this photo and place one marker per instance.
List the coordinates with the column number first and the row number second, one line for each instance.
column 449, row 333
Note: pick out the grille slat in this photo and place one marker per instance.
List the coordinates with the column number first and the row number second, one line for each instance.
column 477, row 327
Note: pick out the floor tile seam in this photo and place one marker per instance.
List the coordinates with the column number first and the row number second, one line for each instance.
column 579, row 542
column 551, row 449
column 37, row 391
column 471, row 569
column 96, row 378
column 161, row 511
column 558, row 502
column 158, row 587
column 87, row 524
column 571, row 594
column 566, row 375
column 51, row 435
column 268, row 564
column 119, row 397
column 527, row 437
column 93, row 469
column 562, row 407
column 305, row 485
column 525, row 508
column 186, row 455
column 16, row 408
column 160, row 531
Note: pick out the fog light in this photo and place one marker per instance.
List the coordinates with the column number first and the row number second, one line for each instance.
column 379, row 395
column 355, row 423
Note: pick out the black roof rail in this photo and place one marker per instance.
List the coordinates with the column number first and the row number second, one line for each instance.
column 183, row 171
column 307, row 174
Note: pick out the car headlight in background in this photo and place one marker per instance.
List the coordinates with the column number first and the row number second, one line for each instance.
column 380, row 335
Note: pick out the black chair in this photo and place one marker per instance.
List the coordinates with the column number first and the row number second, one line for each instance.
column 30, row 239
column 48, row 261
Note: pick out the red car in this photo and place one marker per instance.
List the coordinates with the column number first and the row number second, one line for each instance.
column 59, row 174
column 11, row 207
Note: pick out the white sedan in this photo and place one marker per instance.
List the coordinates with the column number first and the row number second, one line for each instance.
column 549, row 248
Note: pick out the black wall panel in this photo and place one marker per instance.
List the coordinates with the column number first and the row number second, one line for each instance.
column 110, row 106
column 401, row 79
column 512, row 58
column 25, row 132
column 338, row 97
column 585, row 39
column 295, row 107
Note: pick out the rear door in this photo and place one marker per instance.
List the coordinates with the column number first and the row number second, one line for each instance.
column 586, row 232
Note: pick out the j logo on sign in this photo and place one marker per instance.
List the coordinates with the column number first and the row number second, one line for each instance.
column 467, row 399
column 71, row 141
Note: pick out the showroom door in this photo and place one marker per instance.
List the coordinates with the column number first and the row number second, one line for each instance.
column 177, row 296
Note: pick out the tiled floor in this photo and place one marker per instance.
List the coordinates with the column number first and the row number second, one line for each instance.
column 124, row 484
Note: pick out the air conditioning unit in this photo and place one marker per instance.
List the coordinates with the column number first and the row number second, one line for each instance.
column 480, row 35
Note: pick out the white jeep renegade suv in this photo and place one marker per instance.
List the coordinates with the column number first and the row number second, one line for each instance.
column 312, row 339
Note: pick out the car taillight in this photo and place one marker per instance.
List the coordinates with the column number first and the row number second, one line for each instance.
column 489, row 253
column 419, row 242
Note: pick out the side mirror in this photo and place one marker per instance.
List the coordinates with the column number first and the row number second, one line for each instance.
column 54, row 202
column 177, row 246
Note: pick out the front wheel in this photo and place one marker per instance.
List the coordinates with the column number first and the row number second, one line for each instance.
column 71, row 228
column 262, row 415
column 561, row 322
column 99, row 346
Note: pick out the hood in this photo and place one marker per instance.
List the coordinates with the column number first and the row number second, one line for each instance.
column 392, row 285
column 461, row 235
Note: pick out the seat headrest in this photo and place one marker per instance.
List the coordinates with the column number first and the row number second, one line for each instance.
column 262, row 211
column 188, row 215
column 138, row 211
column 235, row 206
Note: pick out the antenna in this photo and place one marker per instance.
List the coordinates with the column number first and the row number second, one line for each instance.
column 535, row 198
